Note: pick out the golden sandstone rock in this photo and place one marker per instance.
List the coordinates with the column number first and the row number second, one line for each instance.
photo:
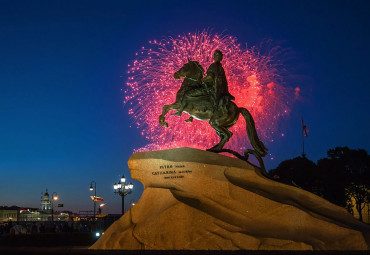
column 199, row 200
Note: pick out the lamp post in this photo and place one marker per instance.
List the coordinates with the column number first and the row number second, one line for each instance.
column 54, row 196
column 91, row 189
column 101, row 208
column 123, row 189
column 132, row 203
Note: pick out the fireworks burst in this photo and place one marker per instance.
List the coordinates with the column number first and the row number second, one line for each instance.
column 254, row 78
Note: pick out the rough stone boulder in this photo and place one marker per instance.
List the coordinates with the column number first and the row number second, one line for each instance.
column 199, row 200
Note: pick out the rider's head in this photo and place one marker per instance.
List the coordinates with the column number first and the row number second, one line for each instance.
column 218, row 55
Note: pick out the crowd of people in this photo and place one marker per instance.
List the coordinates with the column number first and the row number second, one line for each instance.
column 31, row 228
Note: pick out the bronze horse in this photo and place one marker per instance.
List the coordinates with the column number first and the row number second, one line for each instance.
column 197, row 100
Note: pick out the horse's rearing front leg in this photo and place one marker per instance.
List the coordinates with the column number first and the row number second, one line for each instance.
column 162, row 121
column 165, row 110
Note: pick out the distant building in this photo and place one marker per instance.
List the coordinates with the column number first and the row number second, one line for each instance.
column 45, row 202
column 32, row 214
column 9, row 213
column 15, row 213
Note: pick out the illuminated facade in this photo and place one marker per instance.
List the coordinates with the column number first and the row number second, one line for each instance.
column 15, row 213
column 9, row 213
column 45, row 202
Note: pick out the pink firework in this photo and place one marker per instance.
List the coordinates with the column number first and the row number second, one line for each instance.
column 254, row 78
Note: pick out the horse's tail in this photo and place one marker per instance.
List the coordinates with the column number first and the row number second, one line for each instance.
column 256, row 143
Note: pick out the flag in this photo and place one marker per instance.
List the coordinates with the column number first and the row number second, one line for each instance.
column 97, row 199
column 304, row 129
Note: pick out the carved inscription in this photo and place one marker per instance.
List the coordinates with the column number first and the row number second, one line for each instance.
column 172, row 171
column 165, row 166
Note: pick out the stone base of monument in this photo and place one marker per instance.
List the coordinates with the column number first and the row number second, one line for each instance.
column 199, row 200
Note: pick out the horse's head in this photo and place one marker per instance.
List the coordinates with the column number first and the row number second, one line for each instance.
column 191, row 69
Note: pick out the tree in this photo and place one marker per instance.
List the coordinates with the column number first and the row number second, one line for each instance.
column 299, row 172
column 346, row 173
column 334, row 181
column 340, row 177
column 361, row 195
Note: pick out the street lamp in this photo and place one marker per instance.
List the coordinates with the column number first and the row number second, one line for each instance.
column 54, row 196
column 123, row 189
column 100, row 208
column 132, row 202
column 91, row 189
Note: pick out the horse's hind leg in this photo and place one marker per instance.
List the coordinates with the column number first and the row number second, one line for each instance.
column 223, row 133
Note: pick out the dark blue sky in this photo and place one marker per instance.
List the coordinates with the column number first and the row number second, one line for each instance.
column 63, row 63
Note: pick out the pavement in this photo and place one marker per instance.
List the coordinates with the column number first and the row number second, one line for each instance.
column 78, row 243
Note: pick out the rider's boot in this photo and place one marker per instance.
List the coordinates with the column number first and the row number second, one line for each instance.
column 190, row 119
column 179, row 112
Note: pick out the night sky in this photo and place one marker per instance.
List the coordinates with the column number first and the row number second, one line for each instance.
column 63, row 65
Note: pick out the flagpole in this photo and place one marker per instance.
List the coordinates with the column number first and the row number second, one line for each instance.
column 303, row 154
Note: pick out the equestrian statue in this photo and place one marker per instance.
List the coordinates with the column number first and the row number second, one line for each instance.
column 208, row 99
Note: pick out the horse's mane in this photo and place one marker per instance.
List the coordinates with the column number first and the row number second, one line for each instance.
column 199, row 66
